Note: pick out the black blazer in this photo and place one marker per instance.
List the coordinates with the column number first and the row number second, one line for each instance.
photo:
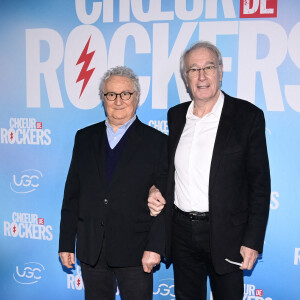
column 239, row 180
column 92, row 208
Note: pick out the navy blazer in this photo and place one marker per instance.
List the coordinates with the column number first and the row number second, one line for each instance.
column 92, row 208
column 239, row 180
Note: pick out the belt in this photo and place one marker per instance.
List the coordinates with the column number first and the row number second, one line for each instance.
column 192, row 215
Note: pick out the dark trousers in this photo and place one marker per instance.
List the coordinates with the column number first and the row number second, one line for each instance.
column 192, row 264
column 100, row 281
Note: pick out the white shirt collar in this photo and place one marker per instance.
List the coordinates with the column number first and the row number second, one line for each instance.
column 216, row 110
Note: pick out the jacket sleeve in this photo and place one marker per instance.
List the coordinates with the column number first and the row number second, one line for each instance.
column 157, row 233
column 259, row 185
column 68, row 223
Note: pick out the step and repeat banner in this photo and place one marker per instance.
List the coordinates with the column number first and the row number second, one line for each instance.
column 53, row 54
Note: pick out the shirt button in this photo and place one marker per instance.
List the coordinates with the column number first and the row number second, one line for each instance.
column 102, row 224
column 105, row 201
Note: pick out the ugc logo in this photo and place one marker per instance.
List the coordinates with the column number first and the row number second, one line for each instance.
column 30, row 273
column 165, row 288
column 26, row 182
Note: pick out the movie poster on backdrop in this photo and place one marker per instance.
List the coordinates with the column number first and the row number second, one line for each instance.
column 53, row 54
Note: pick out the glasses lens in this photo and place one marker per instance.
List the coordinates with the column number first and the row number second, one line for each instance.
column 111, row 96
column 125, row 95
column 209, row 70
column 194, row 72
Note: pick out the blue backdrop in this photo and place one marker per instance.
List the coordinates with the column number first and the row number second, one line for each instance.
column 53, row 54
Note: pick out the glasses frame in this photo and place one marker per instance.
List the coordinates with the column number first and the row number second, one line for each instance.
column 119, row 94
column 210, row 69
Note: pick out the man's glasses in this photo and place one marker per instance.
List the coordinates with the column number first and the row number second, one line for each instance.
column 195, row 72
column 112, row 96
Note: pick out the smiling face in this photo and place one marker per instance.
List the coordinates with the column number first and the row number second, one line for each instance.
column 119, row 111
column 203, row 87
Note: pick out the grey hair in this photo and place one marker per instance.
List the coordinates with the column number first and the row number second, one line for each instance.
column 201, row 44
column 120, row 71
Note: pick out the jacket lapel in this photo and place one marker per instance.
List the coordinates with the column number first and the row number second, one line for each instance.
column 99, row 150
column 223, row 134
column 179, row 123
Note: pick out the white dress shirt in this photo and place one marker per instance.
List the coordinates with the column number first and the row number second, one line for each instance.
column 193, row 158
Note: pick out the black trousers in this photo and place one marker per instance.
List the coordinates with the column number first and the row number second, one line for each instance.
column 192, row 264
column 100, row 281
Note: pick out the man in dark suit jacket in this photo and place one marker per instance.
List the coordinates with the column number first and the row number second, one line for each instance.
column 219, row 181
column 104, row 209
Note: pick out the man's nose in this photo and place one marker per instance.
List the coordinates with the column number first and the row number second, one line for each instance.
column 118, row 100
column 201, row 75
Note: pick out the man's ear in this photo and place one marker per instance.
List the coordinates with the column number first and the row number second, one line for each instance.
column 221, row 73
column 137, row 99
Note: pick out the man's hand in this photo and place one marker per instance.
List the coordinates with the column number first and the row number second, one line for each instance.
column 249, row 255
column 67, row 259
column 156, row 201
column 150, row 260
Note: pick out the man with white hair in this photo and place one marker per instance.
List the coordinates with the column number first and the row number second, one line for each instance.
column 114, row 164
column 218, row 191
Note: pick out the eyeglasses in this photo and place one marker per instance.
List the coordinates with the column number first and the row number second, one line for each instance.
column 112, row 96
column 194, row 72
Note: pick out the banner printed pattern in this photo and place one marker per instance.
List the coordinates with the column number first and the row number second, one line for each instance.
column 53, row 55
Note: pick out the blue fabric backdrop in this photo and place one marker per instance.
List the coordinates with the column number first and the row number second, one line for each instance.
column 53, row 54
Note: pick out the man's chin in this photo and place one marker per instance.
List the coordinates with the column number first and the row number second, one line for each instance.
column 120, row 119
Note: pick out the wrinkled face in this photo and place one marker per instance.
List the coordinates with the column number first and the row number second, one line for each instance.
column 202, row 86
column 120, row 111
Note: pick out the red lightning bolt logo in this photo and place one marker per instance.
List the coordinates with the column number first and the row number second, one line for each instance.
column 85, row 58
column 78, row 282
column 11, row 136
column 14, row 229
